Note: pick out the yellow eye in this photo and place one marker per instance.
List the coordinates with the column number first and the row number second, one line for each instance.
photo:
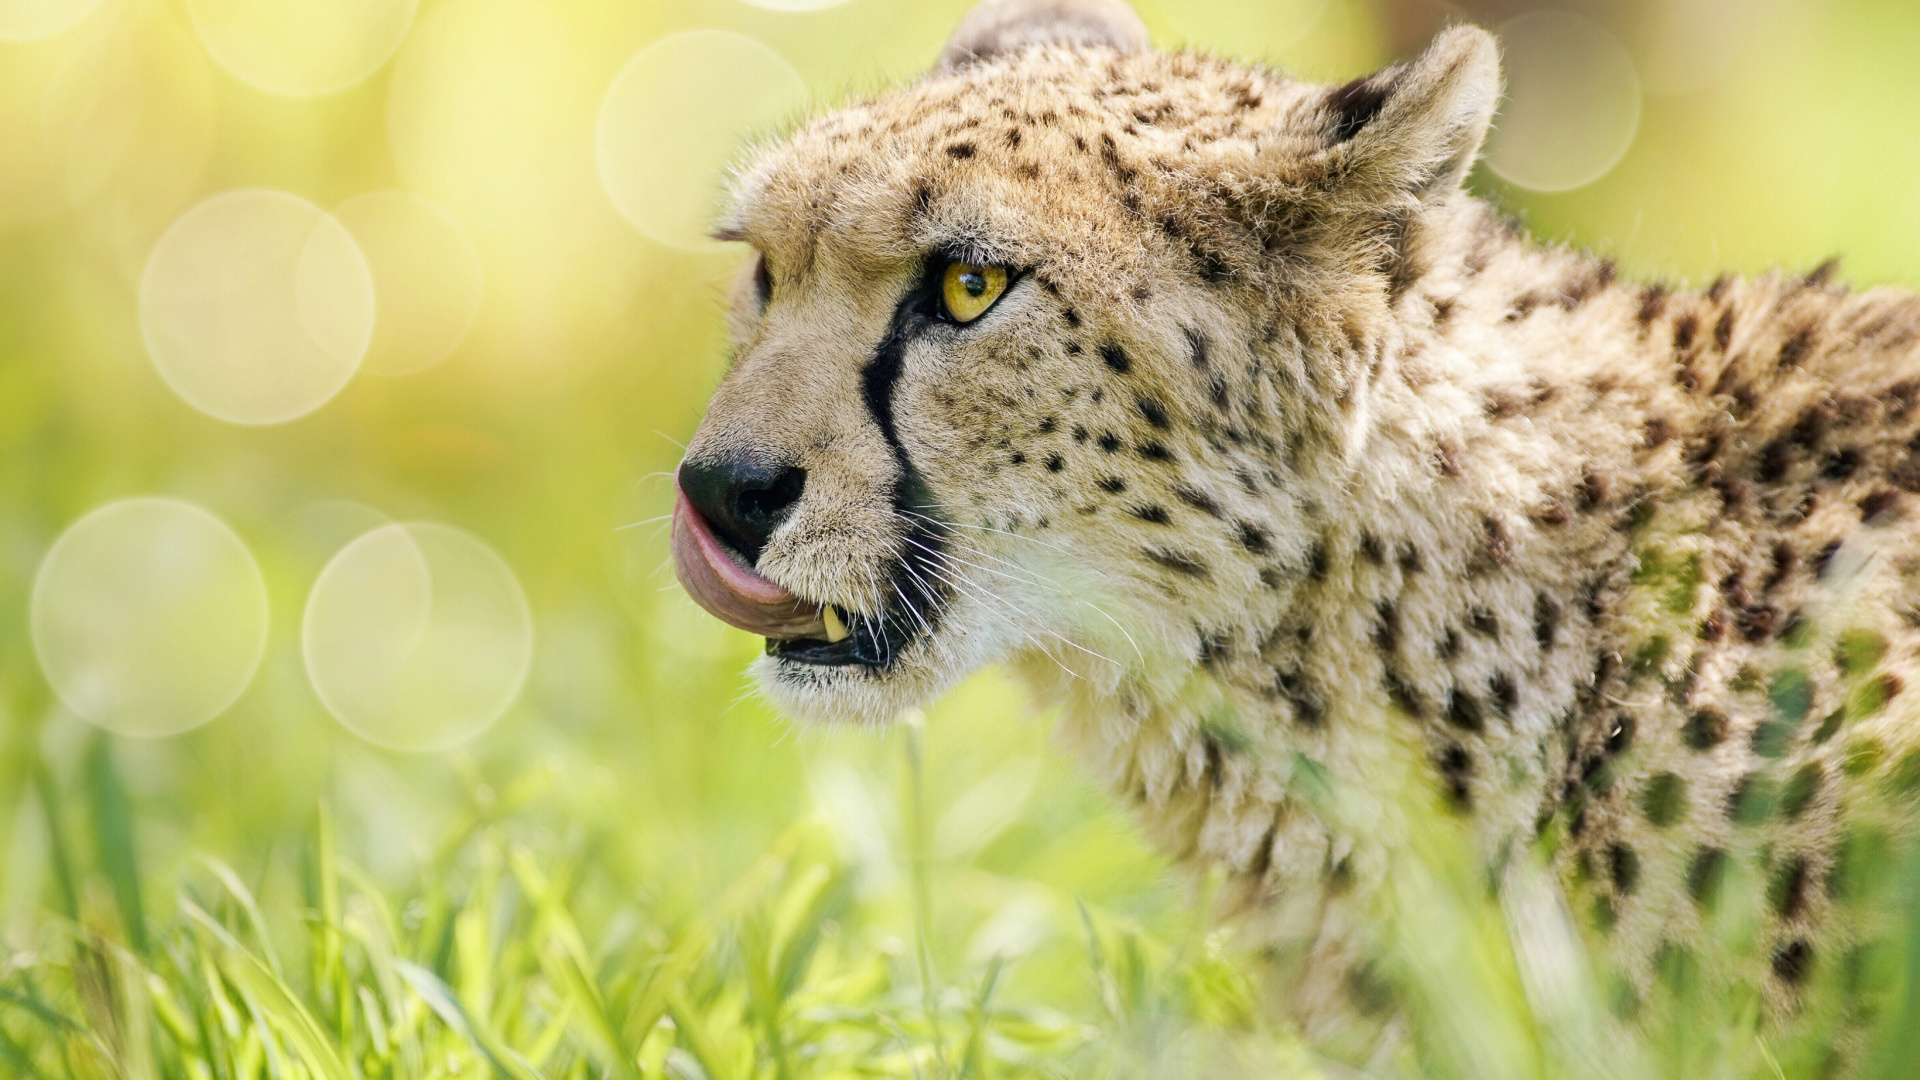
column 969, row 290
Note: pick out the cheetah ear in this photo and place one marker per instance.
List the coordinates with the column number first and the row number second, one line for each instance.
column 997, row 27
column 1417, row 127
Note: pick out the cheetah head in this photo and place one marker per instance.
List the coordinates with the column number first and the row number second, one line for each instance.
column 1047, row 354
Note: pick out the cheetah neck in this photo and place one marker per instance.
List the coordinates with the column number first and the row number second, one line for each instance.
column 1449, row 590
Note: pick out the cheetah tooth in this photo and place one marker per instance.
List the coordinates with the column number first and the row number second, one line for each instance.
column 836, row 626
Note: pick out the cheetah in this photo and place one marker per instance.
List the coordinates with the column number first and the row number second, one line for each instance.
column 1212, row 403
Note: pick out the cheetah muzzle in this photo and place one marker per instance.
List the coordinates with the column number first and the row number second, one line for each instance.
column 1210, row 402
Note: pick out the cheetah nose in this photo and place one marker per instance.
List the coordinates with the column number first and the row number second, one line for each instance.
column 742, row 499
column 731, row 591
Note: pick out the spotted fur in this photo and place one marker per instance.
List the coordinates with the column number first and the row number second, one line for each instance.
column 1282, row 450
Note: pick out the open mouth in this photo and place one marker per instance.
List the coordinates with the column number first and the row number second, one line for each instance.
column 798, row 629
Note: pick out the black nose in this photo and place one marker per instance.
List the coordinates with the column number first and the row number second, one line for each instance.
column 743, row 500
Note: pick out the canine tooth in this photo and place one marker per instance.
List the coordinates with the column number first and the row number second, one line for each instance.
column 836, row 626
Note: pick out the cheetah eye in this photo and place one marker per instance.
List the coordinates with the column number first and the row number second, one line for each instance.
column 967, row 290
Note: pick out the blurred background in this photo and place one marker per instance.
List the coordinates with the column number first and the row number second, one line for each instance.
column 346, row 347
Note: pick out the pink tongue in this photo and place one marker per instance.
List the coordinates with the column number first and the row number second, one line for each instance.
column 730, row 592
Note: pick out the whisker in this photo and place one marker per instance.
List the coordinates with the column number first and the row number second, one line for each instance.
column 637, row 524
column 1056, row 587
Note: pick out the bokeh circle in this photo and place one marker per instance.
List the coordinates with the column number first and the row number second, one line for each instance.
column 427, row 279
column 302, row 48
column 257, row 307
column 149, row 616
column 673, row 118
column 417, row 636
column 31, row 20
column 1572, row 106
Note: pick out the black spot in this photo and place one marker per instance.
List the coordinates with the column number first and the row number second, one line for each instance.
column 1620, row 734
column 1546, row 620
column 1792, row 962
column 1796, row 348
column 1800, row 790
column 1019, row 458
column 1482, row 622
column 1664, row 799
column 1403, row 695
column 1178, row 562
column 1155, row 451
column 1199, row 500
column 1197, row 348
column 1456, row 770
column 1386, row 631
column 1840, row 464
column 1080, row 433
column 1151, row 513
column 1112, row 485
column 1878, row 503
column 1055, row 463
column 1685, row 330
column 1317, row 562
column 1499, row 542
column 1115, row 358
column 1705, row 729
column 1108, row 442
column 1214, row 648
column 1723, row 330
column 1787, row 892
column 1464, row 712
column 960, row 151
column 1254, row 538
column 1503, row 691
column 1751, row 800
column 1653, row 301
column 1625, row 868
column 1372, row 549
column 1153, row 411
column 1306, row 706
column 1704, row 875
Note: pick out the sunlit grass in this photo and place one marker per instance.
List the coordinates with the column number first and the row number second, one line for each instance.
column 509, row 951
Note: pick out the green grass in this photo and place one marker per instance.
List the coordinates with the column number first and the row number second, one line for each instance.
column 515, row 952
column 861, row 942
